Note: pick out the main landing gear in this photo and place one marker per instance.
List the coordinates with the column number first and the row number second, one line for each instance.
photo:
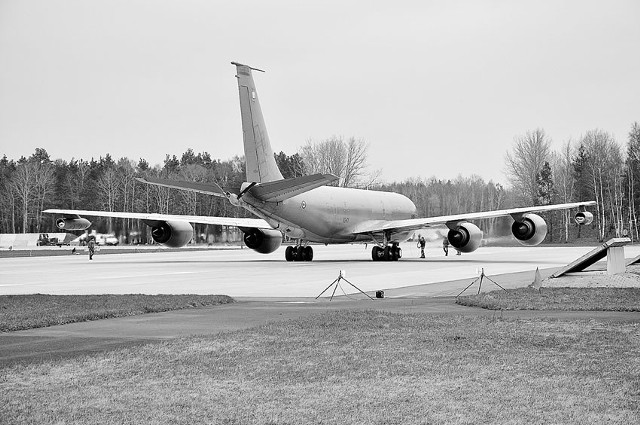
column 391, row 252
column 298, row 253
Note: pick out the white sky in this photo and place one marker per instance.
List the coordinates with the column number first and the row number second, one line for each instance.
column 435, row 87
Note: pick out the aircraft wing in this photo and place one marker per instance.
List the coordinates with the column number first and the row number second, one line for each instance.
column 151, row 217
column 376, row 226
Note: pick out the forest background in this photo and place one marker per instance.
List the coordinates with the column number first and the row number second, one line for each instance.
column 594, row 167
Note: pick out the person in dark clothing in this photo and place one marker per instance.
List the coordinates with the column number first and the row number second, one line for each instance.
column 92, row 247
column 445, row 246
column 421, row 244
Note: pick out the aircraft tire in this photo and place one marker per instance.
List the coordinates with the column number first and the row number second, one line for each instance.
column 376, row 253
column 307, row 253
column 288, row 253
column 388, row 254
column 298, row 253
column 393, row 253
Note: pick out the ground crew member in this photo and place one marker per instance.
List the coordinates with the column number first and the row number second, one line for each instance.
column 92, row 247
column 445, row 246
column 421, row 244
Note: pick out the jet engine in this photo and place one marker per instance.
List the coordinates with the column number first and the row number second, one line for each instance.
column 264, row 241
column 173, row 234
column 73, row 223
column 466, row 237
column 530, row 230
column 584, row 218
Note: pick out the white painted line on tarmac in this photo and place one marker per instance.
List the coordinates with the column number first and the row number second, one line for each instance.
column 141, row 274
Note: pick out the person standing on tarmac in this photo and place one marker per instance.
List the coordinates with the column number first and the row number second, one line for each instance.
column 92, row 247
column 421, row 244
column 445, row 246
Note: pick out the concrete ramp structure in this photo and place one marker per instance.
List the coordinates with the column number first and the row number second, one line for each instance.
column 634, row 261
column 613, row 249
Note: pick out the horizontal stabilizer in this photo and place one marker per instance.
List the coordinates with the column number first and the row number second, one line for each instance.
column 206, row 188
column 280, row 190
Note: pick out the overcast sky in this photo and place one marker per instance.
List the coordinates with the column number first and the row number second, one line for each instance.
column 437, row 88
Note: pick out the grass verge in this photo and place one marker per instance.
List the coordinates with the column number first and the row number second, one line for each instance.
column 19, row 312
column 592, row 299
column 348, row 368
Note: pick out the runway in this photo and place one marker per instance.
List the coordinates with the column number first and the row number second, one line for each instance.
column 245, row 273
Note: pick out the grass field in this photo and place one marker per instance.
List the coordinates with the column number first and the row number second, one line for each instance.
column 35, row 311
column 594, row 299
column 348, row 368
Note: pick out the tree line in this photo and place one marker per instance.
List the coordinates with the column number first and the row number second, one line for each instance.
column 593, row 167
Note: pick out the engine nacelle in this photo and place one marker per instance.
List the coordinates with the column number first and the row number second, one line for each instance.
column 466, row 237
column 530, row 230
column 264, row 241
column 73, row 223
column 173, row 234
column 583, row 218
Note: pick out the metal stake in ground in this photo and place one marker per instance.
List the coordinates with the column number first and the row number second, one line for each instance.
column 335, row 284
column 482, row 276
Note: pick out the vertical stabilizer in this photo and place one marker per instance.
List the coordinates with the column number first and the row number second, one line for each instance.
column 261, row 165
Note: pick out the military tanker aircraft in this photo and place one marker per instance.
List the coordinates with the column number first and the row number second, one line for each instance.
column 307, row 210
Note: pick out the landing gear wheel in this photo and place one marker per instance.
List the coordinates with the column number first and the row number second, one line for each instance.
column 298, row 253
column 307, row 253
column 395, row 252
column 289, row 254
column 388, row 253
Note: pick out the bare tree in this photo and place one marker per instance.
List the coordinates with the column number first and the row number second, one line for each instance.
column 530, row 152
column 22, row 183
column 604, row 170
column 633, row 179
column 355, row 163
column 347, row 160
column 562, row 167
column 32, row 184
column 44, row 186
column 108, row 185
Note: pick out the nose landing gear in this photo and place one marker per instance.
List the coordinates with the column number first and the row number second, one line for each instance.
column 391, row 252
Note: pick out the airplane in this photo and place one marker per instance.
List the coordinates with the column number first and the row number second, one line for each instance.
column 308, row 211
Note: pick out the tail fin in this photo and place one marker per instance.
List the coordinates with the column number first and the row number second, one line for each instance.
column 261, row 165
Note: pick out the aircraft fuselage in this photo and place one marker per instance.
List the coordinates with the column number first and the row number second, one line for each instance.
column 331, row 214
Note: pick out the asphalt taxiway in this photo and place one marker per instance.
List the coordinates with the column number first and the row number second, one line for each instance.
column 245, row 273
